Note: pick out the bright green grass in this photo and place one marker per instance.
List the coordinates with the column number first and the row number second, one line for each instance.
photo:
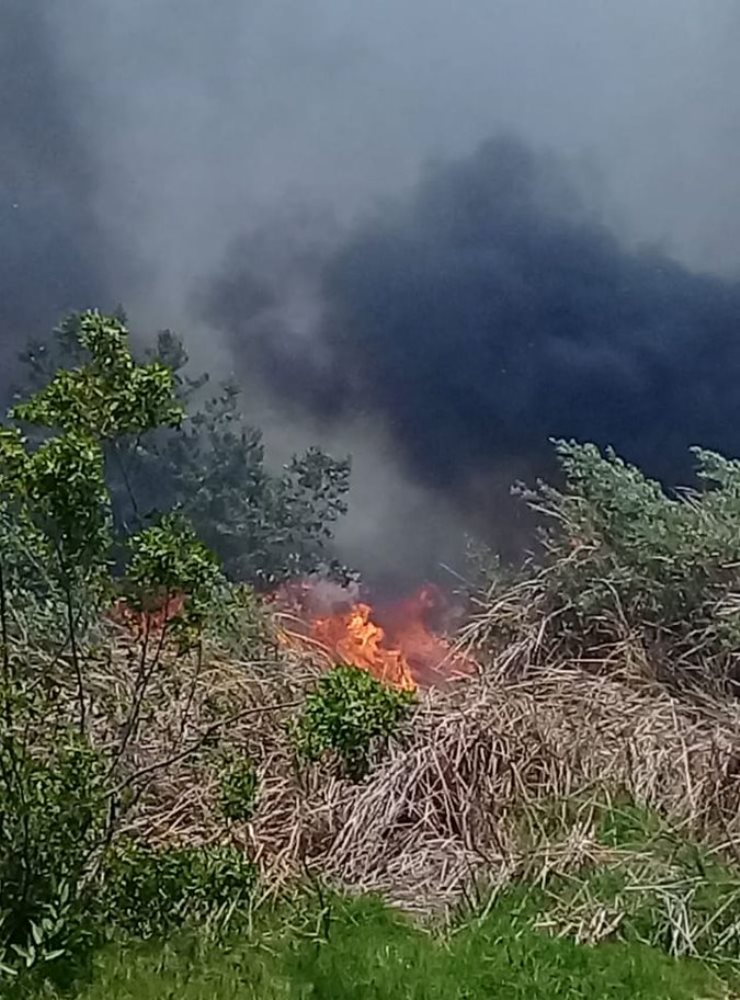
column 653, row 878
column 371, row 953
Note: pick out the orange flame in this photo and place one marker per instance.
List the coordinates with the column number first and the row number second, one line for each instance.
column 397, row 642
column 354, row 638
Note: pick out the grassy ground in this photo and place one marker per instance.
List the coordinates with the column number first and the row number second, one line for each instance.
column 607, row 897
column 364, row 951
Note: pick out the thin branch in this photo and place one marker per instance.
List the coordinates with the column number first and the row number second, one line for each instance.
column 191, row 693
column 4, row 639
column 203, row 738
column 72, row 630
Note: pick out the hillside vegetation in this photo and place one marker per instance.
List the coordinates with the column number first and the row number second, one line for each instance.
column 190, row 808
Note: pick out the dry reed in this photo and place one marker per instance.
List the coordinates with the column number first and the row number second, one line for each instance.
column 442, row 810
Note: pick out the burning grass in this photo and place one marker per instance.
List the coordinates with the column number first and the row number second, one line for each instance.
column 455, row 801
column 402, row 643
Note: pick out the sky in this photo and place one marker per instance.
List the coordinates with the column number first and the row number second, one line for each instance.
column 358, row 209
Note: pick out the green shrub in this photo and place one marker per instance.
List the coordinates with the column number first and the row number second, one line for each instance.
column 622, row 559
column 56, row 795
column 345, row 715
column 238, row 786
column 242, row 624
column 153, row 892
column 52, row 821
column 168, row 560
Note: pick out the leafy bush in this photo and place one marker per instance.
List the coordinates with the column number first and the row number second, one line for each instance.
column 57, row 801
column 345, row 715
column 54, row 499
column 110, row 395
column 151, row 892
column 238, row 786
column 622, row 560
column 168, row 560
column 53, row 810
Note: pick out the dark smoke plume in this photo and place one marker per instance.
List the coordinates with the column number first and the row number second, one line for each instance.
column 443, row 340
column 51, row 247
column 495, row 311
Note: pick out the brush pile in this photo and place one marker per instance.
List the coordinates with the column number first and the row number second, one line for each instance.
column 445, row 806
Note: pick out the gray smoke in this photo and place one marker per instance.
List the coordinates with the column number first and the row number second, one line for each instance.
column 249, row 174
column 494, row 311
column 51, row 244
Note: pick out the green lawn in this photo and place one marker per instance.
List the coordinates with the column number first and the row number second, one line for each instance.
column 370, row 952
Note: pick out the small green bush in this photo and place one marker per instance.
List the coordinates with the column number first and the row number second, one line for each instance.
column 345, row 715
column 238, row 785
column 153, row 892
column 52, row 821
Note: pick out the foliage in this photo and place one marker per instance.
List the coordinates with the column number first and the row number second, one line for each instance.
column 58, row 803
column 59, row 491
column 623, row 559
column 153, row 892
column 54, row 512
column 52, row 818
column 169, row 560
column 111, row 395
column 238, row 787
column 264, row 527
column 56, row 506
column 484, row 569
column 348, row 712
column 243, row 625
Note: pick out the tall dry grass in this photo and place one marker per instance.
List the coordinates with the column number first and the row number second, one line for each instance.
column 442, row 810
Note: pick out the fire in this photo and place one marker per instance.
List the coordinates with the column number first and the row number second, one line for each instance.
column 354, row 638
column 149, row 621
column 400, row 643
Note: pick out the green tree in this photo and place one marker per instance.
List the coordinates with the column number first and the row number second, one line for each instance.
column 57, row 800
column 264, row 527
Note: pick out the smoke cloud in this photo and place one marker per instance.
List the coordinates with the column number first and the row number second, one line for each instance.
column 495, row 310
column 51, row 245
column 310, row 194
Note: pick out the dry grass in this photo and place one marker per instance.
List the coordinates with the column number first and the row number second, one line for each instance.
column 443, row 810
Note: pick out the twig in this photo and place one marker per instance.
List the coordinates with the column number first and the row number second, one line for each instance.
column 72, row 630
column 203, row 738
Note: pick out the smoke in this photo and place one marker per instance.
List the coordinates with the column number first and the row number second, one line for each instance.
column 295, row 188
column 494, row 310
column 51, row 246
